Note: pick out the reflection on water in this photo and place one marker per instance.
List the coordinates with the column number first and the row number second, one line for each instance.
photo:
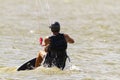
column 94, row 24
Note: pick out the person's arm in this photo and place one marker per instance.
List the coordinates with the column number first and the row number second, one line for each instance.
column 46, row 41
column 68, row 38
column 46, row 44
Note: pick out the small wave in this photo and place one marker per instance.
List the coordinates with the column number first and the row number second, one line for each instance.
column 49, row 71
column 7, row 69
column 55, row 70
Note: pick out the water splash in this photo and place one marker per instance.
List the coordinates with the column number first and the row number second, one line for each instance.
column 74, row 68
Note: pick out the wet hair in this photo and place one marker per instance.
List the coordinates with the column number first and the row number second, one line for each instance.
column 55, row 27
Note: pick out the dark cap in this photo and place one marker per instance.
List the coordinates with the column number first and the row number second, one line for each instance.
column 55, row 27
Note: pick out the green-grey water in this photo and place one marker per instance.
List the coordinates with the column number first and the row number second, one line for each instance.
column 94, row 24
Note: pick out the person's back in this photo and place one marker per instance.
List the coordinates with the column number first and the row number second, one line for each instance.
column 56, row 54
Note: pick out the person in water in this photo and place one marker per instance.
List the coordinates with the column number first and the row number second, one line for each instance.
column 55, row 48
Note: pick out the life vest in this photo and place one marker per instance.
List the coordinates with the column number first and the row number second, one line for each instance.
column 56, row 55
column 57, row 43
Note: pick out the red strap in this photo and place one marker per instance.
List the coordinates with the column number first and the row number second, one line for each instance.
column 41, row 40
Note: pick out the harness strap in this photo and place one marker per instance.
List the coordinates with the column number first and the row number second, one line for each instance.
column 68, row 58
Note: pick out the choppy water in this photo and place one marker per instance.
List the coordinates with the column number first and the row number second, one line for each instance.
column 94, row 24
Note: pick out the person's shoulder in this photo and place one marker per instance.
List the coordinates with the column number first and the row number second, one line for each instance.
column 66, row 35
column 46, row 38
column 68, row 38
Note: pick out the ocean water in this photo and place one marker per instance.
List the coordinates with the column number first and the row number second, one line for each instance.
column 94, row 25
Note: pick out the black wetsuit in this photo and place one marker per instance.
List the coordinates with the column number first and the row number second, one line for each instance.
column 56, row 55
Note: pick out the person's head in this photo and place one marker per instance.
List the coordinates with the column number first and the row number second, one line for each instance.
column 55, row 27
